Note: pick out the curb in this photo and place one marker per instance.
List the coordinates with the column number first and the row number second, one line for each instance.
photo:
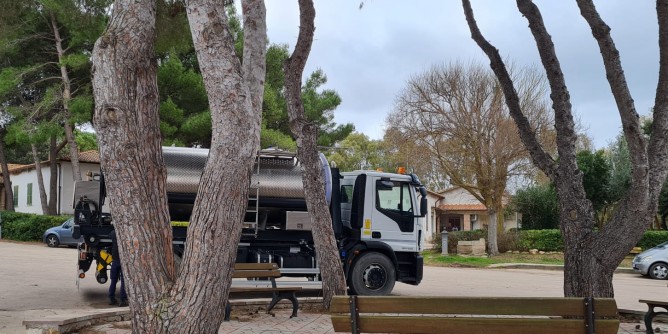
column 546, row 267
column 68, row 324
column 72, row 323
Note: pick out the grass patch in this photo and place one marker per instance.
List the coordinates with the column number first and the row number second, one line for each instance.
column 433, row 258
column 436, row 259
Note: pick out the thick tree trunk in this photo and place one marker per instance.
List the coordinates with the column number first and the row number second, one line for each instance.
column 492, row 231
column 40, row 180
column 307, row 152
column 592, row 256
column 126, row 118
column 53, row 181
column 67, row 96
column 127, row 124
column 6, row 179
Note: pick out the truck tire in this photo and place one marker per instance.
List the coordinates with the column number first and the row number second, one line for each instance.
column 373, row 274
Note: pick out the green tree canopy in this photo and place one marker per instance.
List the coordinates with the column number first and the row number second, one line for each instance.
column 538, row 205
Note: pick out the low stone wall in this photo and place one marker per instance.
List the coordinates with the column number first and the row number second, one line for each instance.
column 71, row 324
column 475, row 247
column 242, row 310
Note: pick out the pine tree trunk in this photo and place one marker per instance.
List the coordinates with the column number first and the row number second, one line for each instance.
column 126, row 120
column 6, row 180
column 53, row 182
column 127, row 124
column 307, row 152
column 67, row 96
column 40, row 180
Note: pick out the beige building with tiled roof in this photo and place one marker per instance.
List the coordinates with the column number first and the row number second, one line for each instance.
column 458, row 210
column 26, row 190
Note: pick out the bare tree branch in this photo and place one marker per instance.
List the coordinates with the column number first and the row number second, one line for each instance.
column 305, row 132
column 619, row 87
column 657, row 152
column 255, row 36
column 543, row 160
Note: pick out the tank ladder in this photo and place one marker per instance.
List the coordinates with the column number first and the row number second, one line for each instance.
column 251, row 218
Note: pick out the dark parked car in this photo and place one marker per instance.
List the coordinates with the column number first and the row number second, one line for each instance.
column 653, row 262
column 61, row 235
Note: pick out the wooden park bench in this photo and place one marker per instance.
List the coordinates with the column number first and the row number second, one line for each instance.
column 261, row 271
column 649, row 316
column 392, row 314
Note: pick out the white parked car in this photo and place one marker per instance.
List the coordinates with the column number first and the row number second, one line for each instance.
column 653, row 262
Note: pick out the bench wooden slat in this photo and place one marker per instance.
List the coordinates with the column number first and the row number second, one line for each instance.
column 264, row 270
column 264, row 289
column 653, row 302
column 604, row 307
column 255, row 266
column 425, row 324
column 255, row 273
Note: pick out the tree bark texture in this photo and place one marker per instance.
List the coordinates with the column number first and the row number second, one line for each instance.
column 53, row 181
column 126, row 118
column 40, row 180
column 235, row 100
column 333, row 278
column 127, row 124
column 591, row 256
column 6, row 179
column 67, row 96
column 492, row 229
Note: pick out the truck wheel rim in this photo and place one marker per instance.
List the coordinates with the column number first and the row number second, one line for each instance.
column 374, row 277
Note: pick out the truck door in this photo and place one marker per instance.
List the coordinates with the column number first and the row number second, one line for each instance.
column 393, row 212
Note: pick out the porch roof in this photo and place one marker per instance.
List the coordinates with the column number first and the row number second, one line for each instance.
column 462, row 207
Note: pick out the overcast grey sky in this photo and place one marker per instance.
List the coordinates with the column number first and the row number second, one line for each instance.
column 369, row 54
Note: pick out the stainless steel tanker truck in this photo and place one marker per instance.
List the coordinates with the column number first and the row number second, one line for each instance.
column 376, row 216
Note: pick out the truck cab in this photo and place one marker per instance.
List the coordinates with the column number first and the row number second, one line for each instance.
column 382, row 213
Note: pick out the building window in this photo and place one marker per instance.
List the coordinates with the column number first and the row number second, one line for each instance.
column 16, row 196
column 29, row 195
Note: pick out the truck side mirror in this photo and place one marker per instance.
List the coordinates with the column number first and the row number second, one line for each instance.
column 423, row 206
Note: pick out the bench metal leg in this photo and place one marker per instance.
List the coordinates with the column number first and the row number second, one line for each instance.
column 278, row 296
column 649, row 316
column 228, row 310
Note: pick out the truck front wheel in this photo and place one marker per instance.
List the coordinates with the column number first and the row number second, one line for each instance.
column 373, row 274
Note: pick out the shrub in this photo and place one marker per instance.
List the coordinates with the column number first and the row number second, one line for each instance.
column 524, row 240
column 27, row 227
column 437, row 241
column 508, row 240
column 545, row 240
column 652, row 238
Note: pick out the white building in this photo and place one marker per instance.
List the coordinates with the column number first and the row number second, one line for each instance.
column 26, row 189
column 455, row 209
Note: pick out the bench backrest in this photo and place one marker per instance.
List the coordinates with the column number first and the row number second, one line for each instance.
column 256, row 270
column 403, row 314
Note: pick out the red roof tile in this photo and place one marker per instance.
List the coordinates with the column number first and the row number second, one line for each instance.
column 91, row 156
column 463, row 207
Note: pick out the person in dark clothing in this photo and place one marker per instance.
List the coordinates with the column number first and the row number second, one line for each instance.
column 116, row 274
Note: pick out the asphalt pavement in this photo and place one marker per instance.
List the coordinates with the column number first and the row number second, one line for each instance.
column 38, row 282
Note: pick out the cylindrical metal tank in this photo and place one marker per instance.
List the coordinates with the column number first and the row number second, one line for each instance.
column 279, row 175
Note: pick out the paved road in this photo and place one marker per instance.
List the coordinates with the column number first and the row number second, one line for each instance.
column 37, row 281
column 441, row 281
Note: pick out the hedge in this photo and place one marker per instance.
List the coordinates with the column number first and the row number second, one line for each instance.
column 27, row 227
column 524, row 240
column 652, row 238
column 545, row 240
